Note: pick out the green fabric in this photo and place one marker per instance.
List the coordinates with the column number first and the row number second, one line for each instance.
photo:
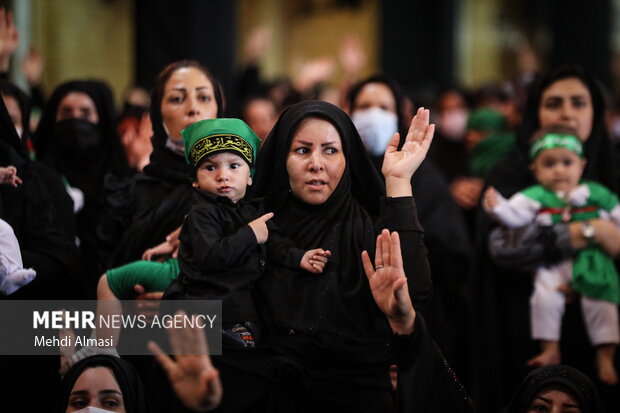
column 489, row 151
column 556, row 140
column 210, row 136
column 486, row 120
column 152, row 275
column 595, row 275
column 594, row 272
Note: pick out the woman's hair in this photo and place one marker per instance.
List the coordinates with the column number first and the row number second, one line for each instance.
column 531, row 117
column 157, row 94
column 597, row 148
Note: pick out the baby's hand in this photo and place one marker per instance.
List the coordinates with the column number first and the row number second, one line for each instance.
column 259, row 226
column 490, row 199
column 9, row 176
column 314, row 260
column 162, row 250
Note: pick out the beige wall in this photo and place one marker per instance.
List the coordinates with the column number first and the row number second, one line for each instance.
column 297, row 36
column 85, row 39
column 479, row 42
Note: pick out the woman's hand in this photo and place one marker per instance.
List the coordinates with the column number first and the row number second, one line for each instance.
column 191, row 373
column 388, row 283
column 399, row 166
column 9, row 39
column 606, row 235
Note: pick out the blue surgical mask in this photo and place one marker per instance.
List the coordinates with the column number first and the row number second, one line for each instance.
column 376, row 127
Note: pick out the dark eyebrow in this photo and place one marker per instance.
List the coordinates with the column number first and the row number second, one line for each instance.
column 563, row 404
column 184, row 89
column 111, row 391
column 85, row 392
column 310, row 143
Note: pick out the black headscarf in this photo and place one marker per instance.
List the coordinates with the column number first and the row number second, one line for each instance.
column 110, row 158
column 135, row 397
column 577, row 384
column 163, row 162
column 12, row 150
column 338, row 303
column 514, row 171
column 399, row 98
column 9, row 89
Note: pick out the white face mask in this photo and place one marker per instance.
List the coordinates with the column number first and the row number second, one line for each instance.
column 452, row 124
column 92, row 409
column 376, row 127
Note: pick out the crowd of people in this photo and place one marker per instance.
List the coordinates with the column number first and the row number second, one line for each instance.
column 365, row 258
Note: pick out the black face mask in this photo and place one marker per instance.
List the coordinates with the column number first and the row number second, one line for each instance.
column 78, row 140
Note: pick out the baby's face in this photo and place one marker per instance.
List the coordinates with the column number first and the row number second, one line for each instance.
column 558, row 169
column 224, row 174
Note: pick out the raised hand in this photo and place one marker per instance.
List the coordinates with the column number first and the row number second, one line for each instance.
column 9, row 39
column 32, row 66
column 191, row 373
column 399, row 165
column 388, row 282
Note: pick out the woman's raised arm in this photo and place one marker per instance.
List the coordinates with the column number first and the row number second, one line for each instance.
column 399, row 165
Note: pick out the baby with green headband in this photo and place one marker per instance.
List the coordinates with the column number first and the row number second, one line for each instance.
column 561, row 196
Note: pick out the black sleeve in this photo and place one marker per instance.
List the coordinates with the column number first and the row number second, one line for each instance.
column 426, row 382
column 400, row 214
column 529, row 247
column 282, row 250
column 150, row 227
column 211, row 249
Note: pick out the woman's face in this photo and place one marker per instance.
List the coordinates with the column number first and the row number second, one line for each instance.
column 188, row 97
column 96, row 387
column 554, row 401
column 567, row 102
column 77, row 105
column 375, row 95
column 315, row 161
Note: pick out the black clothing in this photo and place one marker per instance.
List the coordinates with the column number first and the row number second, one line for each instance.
column 450, row 157
column 83, row 153
column 446, row 238
column 331, row 319
column 566, row 378
column 142, row 211
column 501, row 289
column 219, row 257
column 135, row 398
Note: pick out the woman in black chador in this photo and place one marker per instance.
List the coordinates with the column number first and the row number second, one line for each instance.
column 505, row 260
column 140, row 213
column 76, row 136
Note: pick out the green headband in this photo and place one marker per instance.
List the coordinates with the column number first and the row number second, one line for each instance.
column 556, row 140
column 211, row 136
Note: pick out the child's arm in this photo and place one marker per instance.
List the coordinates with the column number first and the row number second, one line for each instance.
column 212, row 249
column 314, row 260
column 516, row 212
column 9, row 176
column 170, row 247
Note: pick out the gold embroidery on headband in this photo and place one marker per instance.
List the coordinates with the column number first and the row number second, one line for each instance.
column 209, row 144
